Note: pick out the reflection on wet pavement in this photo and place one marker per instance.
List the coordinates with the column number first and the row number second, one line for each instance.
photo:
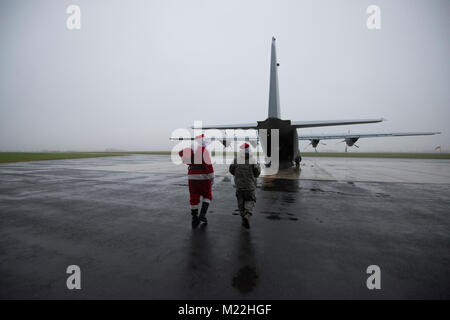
column 277, row 184
column 246, row 278
column 126, row 221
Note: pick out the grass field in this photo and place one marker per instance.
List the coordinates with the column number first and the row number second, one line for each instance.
column 37, row 156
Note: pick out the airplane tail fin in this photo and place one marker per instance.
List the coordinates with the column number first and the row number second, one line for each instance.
column 274, row 96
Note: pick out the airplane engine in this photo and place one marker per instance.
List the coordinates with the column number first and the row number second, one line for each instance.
column 314, row 142
column 226, row 143
column 351, row 141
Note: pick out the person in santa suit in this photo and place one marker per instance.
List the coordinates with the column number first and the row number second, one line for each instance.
column 200, row 179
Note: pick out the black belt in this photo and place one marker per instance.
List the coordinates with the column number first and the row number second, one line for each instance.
column 197, row 167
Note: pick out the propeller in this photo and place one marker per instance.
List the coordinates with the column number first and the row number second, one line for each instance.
column 350, row 142
column 315, row 143
column 346, row 145
column 315, row 148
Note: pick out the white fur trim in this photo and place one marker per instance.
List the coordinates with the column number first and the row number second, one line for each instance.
column 201, row 176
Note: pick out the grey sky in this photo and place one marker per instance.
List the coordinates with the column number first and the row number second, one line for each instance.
column 137, row 70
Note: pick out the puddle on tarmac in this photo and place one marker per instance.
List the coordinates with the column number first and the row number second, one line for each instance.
column 283, row 185
column 273, row 215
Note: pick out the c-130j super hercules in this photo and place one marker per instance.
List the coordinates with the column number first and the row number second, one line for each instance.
column 287, row 129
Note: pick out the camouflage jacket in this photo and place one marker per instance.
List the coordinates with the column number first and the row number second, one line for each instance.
column 245, row 171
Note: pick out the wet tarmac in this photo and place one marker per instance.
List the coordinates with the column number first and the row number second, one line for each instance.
column 125, row 221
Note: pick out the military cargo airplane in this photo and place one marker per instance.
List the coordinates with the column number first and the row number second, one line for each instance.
column 287, row 129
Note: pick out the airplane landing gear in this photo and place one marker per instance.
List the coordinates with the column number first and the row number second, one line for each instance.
column 297, row 160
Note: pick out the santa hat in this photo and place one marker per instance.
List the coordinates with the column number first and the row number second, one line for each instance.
column 245, row 146
column 200, row 136
column 201, row 140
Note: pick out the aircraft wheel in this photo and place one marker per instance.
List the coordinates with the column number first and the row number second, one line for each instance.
column 298, row 159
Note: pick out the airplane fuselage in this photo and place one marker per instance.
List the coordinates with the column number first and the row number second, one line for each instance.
column 288, row 141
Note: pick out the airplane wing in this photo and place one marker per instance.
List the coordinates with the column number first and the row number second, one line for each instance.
column 226, row 141
column 363, row 135
column 325, row 123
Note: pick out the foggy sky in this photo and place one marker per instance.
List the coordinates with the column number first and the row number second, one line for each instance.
column 137, row 70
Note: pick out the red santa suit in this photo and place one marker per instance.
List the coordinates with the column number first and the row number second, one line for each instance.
column 200, row 173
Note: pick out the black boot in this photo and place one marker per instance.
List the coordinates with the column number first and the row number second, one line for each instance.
column 203, row 211
column 195, row 220
column 246, row 219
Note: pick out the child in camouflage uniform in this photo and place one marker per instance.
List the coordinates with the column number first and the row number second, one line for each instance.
column 245, row 171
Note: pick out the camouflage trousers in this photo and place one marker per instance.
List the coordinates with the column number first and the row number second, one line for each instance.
column 246, row 201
